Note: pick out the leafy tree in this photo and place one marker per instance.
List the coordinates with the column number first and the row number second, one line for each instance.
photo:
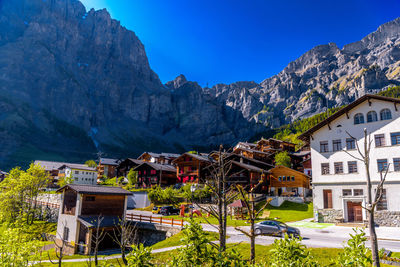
column 290, row 252
column 140, row 256
column 283, row 158
column 64, row 180
column 132, row 177
column 355, row 254
column 91, row 163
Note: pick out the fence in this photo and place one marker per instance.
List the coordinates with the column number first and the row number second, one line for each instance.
column 151, row 219
column 47, row 204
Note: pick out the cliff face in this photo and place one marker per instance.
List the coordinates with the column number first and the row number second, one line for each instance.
column 64, row 70
column 325, row 75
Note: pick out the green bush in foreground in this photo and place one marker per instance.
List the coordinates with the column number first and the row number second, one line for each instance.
column 356, row 254
column 290, row 252
column 140, row 256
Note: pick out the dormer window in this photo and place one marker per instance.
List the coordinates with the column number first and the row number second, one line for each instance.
column 372, row 116
column 358, row 118
column 386, row 114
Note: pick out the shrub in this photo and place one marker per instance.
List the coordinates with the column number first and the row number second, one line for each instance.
column 158, row 195
column 290, row 252
column 355, row 253
column 140, row 256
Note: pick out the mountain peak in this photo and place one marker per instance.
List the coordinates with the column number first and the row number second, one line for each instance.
column 177, row 82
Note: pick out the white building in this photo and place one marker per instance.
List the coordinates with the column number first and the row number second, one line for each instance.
column 79, row 173
column 339, row 180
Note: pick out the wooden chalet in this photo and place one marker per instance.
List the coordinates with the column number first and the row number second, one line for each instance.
column 82, row 206
column 190, row 167
column 267, row 157
column 126, row 165
column 150, row 174
column 107, row 167
column 285, row 181
column 273, row 145
column 160, row 158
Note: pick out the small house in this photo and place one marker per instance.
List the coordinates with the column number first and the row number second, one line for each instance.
column 79, row 173
column 107, row 167
column 160, row 158
column 82, row 207
column 285, row 181
column 190, row 167
column 150, row 174
column 126, row 165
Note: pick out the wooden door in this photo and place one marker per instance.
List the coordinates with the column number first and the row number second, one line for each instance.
column 354, row 212
column 327, row 198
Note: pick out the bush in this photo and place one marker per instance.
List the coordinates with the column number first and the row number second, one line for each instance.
column 290, row 252
column 140, row 256
column 158, row 195
column 355, row 253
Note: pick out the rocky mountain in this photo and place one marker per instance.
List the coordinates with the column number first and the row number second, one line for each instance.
column 324, row 76
column 73, row 82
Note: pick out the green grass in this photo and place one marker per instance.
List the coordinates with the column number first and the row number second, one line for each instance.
column 291, row 212
column 323, row 256
column 175, row 240
column 287, row 212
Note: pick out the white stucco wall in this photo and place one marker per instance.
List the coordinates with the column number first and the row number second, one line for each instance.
column 337, row 182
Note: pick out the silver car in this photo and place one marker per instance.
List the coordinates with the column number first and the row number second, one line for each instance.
column 277, row 228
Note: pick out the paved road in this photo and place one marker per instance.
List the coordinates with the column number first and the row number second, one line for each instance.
column 332, row 236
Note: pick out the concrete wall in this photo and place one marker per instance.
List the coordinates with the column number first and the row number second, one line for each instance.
column 138, row 200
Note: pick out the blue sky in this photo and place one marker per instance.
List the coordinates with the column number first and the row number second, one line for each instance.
column 223, row 41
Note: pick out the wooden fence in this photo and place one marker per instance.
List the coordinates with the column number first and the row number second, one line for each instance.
column 47, row 204
column 152, row 219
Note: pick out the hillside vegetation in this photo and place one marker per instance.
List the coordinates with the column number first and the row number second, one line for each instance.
column 291, row 131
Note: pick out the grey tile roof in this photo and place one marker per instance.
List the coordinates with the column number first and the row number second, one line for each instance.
column 49, row 165
column 158, row 167
column 108, row 161
column 96, row 189
column 249, row 167
column 78, row 167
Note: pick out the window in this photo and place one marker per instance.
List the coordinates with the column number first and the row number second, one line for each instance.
column 379, row 140
column 346, row 192
column 350, row 143
column 153, row 172
column 352, row 166
column 284, row 178
column 358, row 118
column 395, row 137
column 337, row 145
column 323, row 146
column 292, row 178
column 382, row 204
column 338, row 167
column 358, row 192
column 327, row 198
column 382, row 164
column 76, row 172
column 66, row 234
column 90, row 198
column 280, row 179
column 396, row 164
column 324, row 168
column 386, row 114
column 372, row 116
column 76, row 178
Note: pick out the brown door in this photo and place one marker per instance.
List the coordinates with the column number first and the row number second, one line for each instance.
column 327, row 198
column 354, row 212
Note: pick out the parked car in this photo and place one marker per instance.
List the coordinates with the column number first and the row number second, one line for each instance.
column 169, row 210
column 272, row 227
column 156, row 210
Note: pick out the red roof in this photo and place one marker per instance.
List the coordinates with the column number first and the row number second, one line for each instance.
column 237, row 204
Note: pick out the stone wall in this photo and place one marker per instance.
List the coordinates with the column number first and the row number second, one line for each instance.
column 50, row 198
column 387, row 218
column 329, row 215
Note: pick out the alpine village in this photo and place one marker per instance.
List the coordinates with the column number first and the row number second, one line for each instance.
column 103, row 165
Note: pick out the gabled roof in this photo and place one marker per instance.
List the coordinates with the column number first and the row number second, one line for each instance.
column 255, row 151
column 77, row 167
column 306, row 135
column 95, row 189
column 249, row 167
column 290, row 169
column 196, row 156
column 162, row 154
column 108, row 161
column 49, row 165
column 239, row 203
column 158, row 167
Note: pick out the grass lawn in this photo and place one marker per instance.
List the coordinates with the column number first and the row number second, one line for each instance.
column 323, row 256
column 287, row 212
column 175, row 240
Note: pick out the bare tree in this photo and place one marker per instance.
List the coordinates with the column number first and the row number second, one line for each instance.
column 253, row 215
column 124, row 235
column 363, row 155
column 98, row 236
column 60, row 245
